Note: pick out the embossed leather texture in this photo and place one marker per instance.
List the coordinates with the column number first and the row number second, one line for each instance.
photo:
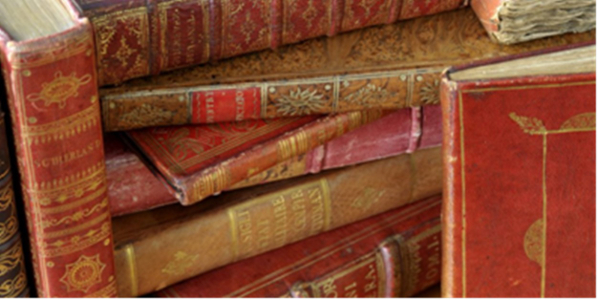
column 394, row 254
column 54, row 105
column 199, row 161
column 520, row 200
column 387, row 67
column 140, row 37
column 133, row 187
column 244, row 223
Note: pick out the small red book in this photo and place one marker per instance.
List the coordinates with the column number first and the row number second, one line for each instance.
column 393, row 254
column 519, row 176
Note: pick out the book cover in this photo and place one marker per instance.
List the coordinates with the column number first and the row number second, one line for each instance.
column 133, row 187
column 394, row 254
column 199, row 161
column 519, row 177
column 515, row 21
column 141, row 37
column 13, row 276
column 160, row 247
column 56, row 123
column 387, row 67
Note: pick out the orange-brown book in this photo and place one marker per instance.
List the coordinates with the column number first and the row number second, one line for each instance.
column 48, row 64
column 519, row 215
column 388, row 67
column 158, row 248
column 199, row 161
column 393, row 254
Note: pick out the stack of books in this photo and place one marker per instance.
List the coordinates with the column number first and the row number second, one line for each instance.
column 292, row 148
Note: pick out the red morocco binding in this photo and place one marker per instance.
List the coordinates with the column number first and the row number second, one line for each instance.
column 519, row 214
column 393, row 254
column 53, row 100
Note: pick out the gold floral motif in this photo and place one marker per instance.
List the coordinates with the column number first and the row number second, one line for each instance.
column 529, row 125
column 60, row 89
column 181, row 262
column 83, row 273
column 146, row 114
column 180, row 143
column 310, row 13
column 532, row 241
column 429, row 93
column 585, row 121
column 369, row 96
column 77, row 242
column 11, row 288
column 6, row 197
column 300, row 102
column 8, row 228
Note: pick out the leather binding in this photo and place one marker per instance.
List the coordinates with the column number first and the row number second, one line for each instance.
column 139, row 37
column 394, row 254
column 133, row 187
column 519, row 182
column 54, row 105
column 13, row 277
column 389, row 67
column 158, row 248
column 199, row 161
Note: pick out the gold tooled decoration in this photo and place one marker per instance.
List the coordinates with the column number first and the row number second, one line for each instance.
column 6, row 197
column 585, row 121
column 429, row 93
column 11, row 288
column 181, row 262
column 60, row 89
column 12, row 258
column 76, row 216
column 529, row 125
column 369, row 96
column 300, row 102
column 8, row 228
column 83, row 273
column 146, row 114
column 532, row 242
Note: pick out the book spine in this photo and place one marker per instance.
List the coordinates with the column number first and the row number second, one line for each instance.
column 135, row 38
column 275, row 219
column 393, row 254
column 54, row 105
column 271, row 99
column 224, row 174
column 450, row 153
column 13, row 277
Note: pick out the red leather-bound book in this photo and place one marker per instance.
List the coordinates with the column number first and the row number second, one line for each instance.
column 53, row 100
column 384, row 67
column 133, row 187
column 519, row 214
column 394, row 254
column 199, row 161
column 138, row 37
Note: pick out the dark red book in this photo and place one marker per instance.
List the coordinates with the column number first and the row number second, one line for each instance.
column 519, row 213
column 394, row 254
column 133, row 187
column 141, row 37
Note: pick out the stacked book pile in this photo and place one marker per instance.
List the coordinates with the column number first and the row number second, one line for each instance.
column 297, row 148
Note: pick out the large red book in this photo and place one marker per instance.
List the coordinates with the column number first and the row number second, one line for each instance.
column 519, row 215
column 388, row 67
column 199, row 161
column 133, row 187
column 139, row 37
column 50, row 75
column 394, row 254
column 158, row 248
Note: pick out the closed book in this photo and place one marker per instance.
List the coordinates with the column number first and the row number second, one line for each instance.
column 394, row 254
column 13, row 276
column 48, row 64
column 133, row 187
column 160, row 247
column 199, row 161
column 519, row 215
column 515, row 21
column 141, row 37
column 388, row 67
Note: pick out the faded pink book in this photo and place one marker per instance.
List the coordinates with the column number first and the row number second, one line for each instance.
column 133, row 187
